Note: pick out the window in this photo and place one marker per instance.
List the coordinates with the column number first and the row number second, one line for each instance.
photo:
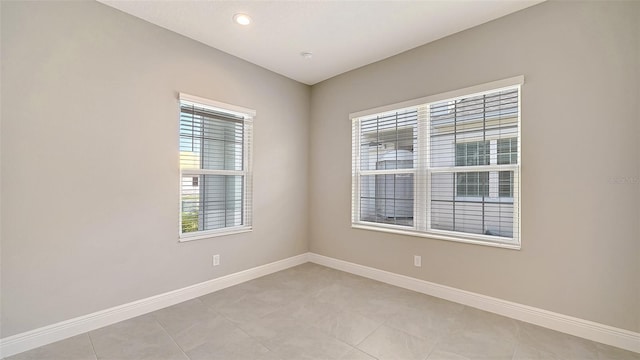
column 386, row 165
column 477, row 184
column 470, row 154
column 507, row 154
column 445, row 166
column 215, row 168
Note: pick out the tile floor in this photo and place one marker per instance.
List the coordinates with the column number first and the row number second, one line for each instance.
column 313, row 312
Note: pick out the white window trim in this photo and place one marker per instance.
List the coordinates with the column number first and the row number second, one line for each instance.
column 247, row 172
column 216, row 105
column 422, row 220
column 471, row 90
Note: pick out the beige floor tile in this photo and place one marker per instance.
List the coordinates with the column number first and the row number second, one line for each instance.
column 279, row 296
column 247, row 309
column 309, row 310
column 356, row 354
column 338, row 294
column 537, row 342
column 76, row 348
column 180, row 317
column 429, row 318
column 473, row 320
column 477, row 334
column 377, row 306
column 202, row 331
column 230, row 345
column 529, row 352
column 273, row 327
column 606, row 352
column 477, row 345
column 389, row 343
column 309, row 343
column 137, row 339
column 230, row 295
column 444, row 355
column 306, row 277
column 347, row 326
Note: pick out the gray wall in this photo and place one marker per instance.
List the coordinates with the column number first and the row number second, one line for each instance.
column 580, row 133
column 90, row 161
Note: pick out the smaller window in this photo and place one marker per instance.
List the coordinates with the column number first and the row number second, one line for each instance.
column 472, row 153
column 507, row 154
column 215, row 168
column 472, row 184
column 507, row 151
column 505, row 184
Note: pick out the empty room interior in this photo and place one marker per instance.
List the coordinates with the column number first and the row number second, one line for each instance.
column 320, row 179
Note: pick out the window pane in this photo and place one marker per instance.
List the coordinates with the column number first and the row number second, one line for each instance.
column 459, row 128
column 190, row 196
column 473, row 153
column 388, row 141
column 209, row 140
column 507, row 151
column 387, row 199
column 506, row 184
column 211, row 202
column 472, row 214
column 472, row 184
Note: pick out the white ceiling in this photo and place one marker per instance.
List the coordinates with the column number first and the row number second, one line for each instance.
column 342, row 35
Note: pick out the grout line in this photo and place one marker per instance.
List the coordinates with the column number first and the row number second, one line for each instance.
column 171, row 337
column 517, row 338
column 92, row 346
column 368, row 336
column 256, row 340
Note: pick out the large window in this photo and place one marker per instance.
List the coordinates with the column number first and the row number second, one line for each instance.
column 215, row 168
column 445, row 166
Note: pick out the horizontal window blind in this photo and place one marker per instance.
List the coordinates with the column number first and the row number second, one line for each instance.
column 447, row 169
column 470, row 131
column 387, row 164
column 215, row 186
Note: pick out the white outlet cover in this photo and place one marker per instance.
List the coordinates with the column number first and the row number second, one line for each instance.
column 417, row 260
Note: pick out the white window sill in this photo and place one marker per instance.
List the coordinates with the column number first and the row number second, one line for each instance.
column 444, row 235
column 199, row 235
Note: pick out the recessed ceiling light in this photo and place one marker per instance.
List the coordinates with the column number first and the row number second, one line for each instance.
column 242, row 19
column 306, row 54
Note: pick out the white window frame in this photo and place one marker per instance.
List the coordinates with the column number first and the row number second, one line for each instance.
column 248, row 115
column 422, row 171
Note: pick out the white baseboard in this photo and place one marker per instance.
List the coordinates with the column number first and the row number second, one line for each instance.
column 590, row 330
column 45, row 335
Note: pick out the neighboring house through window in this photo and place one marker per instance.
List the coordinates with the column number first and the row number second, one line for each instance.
column 215, row 167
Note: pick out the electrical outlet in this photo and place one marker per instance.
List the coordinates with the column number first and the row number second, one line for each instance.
column 216, row 260
column 417, row 260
